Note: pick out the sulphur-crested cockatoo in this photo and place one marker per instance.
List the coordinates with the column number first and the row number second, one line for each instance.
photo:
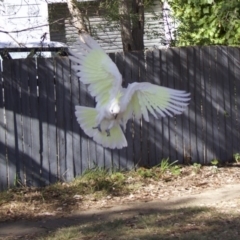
column 115, row 105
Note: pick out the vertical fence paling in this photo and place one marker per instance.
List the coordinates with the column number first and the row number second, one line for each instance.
column 9, row 114
column 76, row 147
column 120, row 62
column 41, row 141
column 237, row 96
column 3, row 159
column 184, row 84
column 151, row 124
column 26, row 122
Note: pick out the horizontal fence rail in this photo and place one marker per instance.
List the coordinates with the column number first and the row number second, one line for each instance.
column 41, row 141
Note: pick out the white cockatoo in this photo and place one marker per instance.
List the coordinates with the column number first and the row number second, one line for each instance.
column 115, row 105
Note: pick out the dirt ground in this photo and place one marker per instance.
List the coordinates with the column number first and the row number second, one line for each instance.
column 217, row 191
column 225, row 197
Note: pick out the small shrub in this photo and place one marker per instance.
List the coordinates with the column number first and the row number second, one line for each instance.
column 165, row 165
column 236, row 157
column 197, row 167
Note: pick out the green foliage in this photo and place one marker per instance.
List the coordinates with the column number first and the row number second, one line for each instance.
column 100, row 179
column 162, row 169
column 165, row 165
column 146, row 173
column 215, row 162
column 197, row 167
column 109, row 10
column 236, row 157
column 207, row 22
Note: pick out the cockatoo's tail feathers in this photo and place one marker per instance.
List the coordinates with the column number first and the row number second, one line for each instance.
column 95, row 68
column 143, row 98
column 115, row 140
column 86, row 117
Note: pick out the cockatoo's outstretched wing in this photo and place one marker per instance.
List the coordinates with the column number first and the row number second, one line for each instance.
column 95, row 67
column 86, row 117
column 141, row 98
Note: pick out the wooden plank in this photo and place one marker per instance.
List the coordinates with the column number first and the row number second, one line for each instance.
column 26, row 122
column 68, row 115
column 171, row 120
column 43, row 78
column 164, row 82
column 198, row 106
column 237, row 96
column 34, row 166
column 10, row 120
column 184, row 85
column 157, row 122
column 178, row 78
column 129, row 129
column 152, row 122
column 3, row 157
column 64, row 116
column 52, row 139
column 60, row 119
column 16, row 84
column 203, row 106
column 75, row 90
column 120, row 62
column 224, row 65
column 231, row 78
column 221, row 77
column 214, row 104
column 207, row 105
column 137, row 148
column 84, row 137
column 144, row 125
column 234, row 71
column 192, row 107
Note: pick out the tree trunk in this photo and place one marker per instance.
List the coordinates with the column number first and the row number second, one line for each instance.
column 138, row 24
column 132, row 28
column 77, row 17
column 126, row 26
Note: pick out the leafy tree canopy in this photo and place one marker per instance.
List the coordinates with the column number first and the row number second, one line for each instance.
column 207, row 22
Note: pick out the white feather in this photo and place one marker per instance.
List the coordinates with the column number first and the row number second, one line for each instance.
column 96, row 69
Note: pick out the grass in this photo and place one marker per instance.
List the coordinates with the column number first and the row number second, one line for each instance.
column 97, row 184
column 197, row 223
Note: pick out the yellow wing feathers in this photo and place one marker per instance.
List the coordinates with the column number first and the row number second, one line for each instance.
column 159, row 101
column 115, row 105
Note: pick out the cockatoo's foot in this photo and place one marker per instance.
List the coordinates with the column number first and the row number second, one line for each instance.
column 108, row 132
column 98, row 127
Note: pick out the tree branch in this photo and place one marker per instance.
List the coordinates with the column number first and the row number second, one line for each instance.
column 27, row 29
column 77, row 17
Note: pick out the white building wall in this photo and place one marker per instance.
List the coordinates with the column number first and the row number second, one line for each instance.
column 17, row 15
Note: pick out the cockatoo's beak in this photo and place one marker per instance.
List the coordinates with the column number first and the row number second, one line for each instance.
column 115, row 116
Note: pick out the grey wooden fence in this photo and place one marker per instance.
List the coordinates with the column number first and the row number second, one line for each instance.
column 41, row 141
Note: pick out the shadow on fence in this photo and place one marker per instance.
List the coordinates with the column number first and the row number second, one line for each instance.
column 41, row 141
